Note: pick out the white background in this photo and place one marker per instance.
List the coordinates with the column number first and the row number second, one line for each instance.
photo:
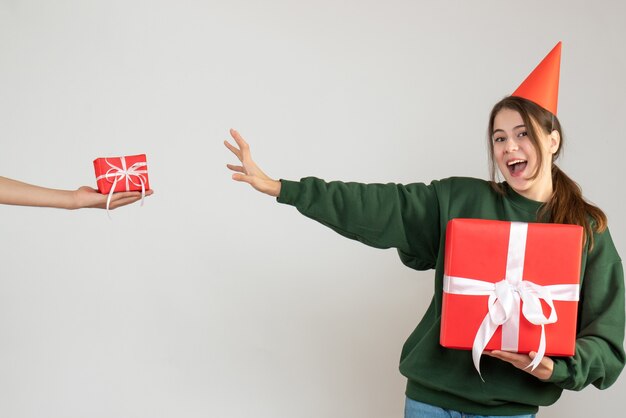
column 213, row 300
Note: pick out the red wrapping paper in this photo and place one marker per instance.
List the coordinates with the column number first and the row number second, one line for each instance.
column 130, row 171
column 478, row 249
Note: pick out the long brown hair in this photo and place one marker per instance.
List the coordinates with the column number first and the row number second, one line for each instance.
column 567, row 204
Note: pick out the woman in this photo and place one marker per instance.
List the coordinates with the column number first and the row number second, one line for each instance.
column 525, row 139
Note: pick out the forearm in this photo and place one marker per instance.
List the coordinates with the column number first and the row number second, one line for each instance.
column 378, row 215
column 13, row 192
column 599, row 356
column 594, row 363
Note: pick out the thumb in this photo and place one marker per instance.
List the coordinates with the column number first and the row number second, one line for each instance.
column 242, row 177
column 239, row 177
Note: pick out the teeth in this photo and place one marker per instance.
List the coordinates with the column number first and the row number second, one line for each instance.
column 515, row 162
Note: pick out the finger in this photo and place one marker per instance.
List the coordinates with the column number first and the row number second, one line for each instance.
column 544, row 361
column 148, row 192
column 131, row 198
column 229, row 146
column 509, row 355
column 126, row 195
column 496, row 354
column 123, row 198
column 233, row 149
column 503, row 353
column 242, row 178
column 512, row 358
column 123, row 202
column 243, row 145
column 237, row 168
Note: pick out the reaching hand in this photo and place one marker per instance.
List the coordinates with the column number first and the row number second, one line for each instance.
column 14, row 192
column 86, row 197
column 521, row 361
column 248, row 171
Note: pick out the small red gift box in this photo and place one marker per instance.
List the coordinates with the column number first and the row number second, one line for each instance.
column 122, row 174
column 511, row 286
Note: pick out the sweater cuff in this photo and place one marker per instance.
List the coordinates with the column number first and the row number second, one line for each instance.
column 289, row 191
column 560, row 372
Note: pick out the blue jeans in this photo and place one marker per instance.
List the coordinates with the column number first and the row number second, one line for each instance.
column 415, row 409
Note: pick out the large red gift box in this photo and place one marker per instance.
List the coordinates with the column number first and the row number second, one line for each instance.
column 499, row 276
column 122, row 174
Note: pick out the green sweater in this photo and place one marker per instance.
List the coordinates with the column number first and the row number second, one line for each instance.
column 412, row 218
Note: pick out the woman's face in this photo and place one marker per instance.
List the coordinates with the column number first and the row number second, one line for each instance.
column 516, row 156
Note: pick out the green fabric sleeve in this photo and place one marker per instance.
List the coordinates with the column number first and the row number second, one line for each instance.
column 599, row 356
column 405, row 217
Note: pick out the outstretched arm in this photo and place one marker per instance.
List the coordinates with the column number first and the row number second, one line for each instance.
column 248, row 171
column 379, row 215
column 13, row 192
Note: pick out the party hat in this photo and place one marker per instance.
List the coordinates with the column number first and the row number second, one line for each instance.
column 542, row 85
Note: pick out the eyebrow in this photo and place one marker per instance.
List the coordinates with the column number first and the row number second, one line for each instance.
column 514, row 128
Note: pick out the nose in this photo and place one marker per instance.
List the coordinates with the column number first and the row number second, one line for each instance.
column 511, row 145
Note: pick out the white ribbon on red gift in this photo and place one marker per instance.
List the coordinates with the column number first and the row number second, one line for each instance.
column 115, row 174
column 504, row 300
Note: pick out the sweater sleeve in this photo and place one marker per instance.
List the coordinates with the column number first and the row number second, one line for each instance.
column 599, row 356
column 405, row 217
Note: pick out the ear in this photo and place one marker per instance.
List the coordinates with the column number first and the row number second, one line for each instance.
column 555, row 141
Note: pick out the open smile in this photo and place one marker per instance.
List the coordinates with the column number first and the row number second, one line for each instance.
column 516, row 167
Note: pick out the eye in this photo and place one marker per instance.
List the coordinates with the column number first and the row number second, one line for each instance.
column 499, row 139
column 522, row 134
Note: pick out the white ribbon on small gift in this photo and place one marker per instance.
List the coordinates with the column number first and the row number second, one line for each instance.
column 504, row 300
column 116, row 174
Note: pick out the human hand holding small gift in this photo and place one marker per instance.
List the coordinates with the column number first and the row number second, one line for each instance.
column 13, row 192
column 88, row 197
